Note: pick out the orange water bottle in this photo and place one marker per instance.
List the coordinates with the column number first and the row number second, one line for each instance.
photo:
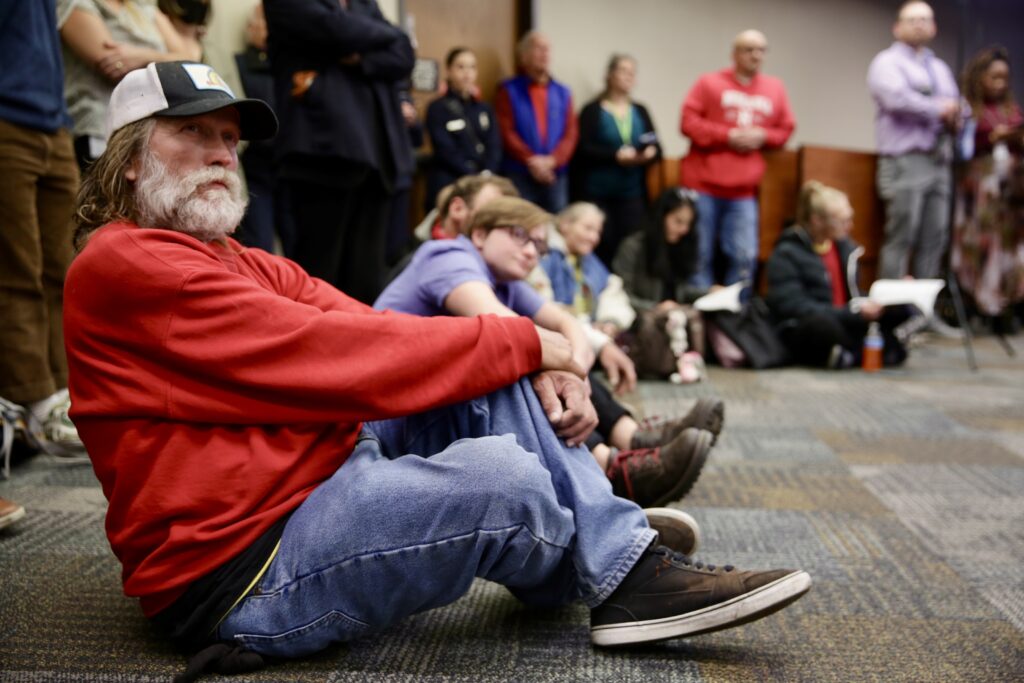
column 873, row 344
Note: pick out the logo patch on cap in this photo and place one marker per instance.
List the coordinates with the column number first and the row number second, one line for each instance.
column 205, row 78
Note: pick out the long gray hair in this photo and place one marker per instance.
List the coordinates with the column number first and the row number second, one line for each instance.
column 106, row 195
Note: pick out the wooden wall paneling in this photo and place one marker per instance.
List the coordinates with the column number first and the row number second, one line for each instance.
column 776, row 201
column 853, row 173
column 488, row 27
column 661, row 175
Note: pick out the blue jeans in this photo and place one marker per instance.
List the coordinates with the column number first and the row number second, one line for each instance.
column 730, row 224
column 552, row 198
column 428, row 502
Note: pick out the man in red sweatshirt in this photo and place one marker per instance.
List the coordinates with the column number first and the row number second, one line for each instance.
column 225, row 399
column 730, row 116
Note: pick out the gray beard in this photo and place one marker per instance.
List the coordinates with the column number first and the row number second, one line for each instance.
column 171, row 201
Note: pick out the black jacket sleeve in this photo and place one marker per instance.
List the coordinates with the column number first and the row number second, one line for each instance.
column 645, row 116
column 324, row 28
column 448, row 153
column 590, row 149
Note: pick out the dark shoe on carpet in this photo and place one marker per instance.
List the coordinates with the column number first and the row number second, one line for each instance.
column 652, row 477
column 10, row 512
column 667, row 595
column 676, row 529
column 708, row 413
column 840, row 359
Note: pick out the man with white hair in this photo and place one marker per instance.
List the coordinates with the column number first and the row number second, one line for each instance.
column 223, row 396
column 730, row 116
column 538, row 126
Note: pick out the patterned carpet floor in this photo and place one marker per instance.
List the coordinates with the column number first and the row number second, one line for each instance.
column 901, row 492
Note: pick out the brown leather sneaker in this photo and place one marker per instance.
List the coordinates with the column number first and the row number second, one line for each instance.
column 667, row 595
column 707, row 413
column 676, row 529
column 652, row 477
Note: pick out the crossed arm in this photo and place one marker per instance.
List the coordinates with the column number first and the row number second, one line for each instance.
column 88, row 38
column 565, row 398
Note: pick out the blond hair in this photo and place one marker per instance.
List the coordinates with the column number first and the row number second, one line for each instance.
column 509, row 211
column 816, row 198
column 106, row 195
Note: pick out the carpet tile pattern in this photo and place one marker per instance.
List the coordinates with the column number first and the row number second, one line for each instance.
column 901, row 492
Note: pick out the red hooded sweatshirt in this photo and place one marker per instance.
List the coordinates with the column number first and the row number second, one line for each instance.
column 717, row 103
column 216, row 386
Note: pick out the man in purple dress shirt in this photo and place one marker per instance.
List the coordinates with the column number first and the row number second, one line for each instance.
column 918, row 113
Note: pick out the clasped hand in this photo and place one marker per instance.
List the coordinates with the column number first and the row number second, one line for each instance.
column 562, row 391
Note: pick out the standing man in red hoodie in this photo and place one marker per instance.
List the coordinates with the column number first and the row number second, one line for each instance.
column 730, row 116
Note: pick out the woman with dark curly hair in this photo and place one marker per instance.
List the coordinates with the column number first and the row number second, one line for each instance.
column 988, row 234
column 657, row 263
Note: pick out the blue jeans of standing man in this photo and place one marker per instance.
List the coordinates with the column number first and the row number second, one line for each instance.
column 426, row 503
column 730, row 224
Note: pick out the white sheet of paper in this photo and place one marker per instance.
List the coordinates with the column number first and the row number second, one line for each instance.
column 920, row 293
column 724, row 299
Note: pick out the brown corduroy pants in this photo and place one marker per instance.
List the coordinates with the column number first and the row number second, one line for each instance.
column 37, row 193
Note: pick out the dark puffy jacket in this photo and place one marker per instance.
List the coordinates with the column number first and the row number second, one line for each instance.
column 346, row 111
column 799, row 284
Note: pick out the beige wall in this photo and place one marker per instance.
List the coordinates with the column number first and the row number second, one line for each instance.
column 821, row 50
column 225, row 36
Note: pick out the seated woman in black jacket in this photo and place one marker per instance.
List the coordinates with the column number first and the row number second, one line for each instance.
column 812, row 277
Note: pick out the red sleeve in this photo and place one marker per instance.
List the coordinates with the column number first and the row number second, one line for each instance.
column 514, row 145
column 180, row 338
column 783, row 123
column 567, row 145
column 290, row 280
column 695, row 123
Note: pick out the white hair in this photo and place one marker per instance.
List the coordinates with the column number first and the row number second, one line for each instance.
column 183, row 203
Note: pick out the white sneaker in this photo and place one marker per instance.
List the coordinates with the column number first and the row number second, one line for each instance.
column 943, row 329
column 57, row 426
column 10, row 512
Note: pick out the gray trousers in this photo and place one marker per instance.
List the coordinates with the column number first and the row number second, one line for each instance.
column 916, row 190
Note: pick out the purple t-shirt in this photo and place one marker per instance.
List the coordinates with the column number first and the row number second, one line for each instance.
column 438, row 267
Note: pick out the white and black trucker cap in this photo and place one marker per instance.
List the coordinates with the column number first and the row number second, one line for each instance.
column 184, row 89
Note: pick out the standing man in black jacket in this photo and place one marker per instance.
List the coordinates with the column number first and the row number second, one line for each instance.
column 343, row 141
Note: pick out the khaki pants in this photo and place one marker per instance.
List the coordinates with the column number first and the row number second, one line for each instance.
column 916, row 189
column 40, row 180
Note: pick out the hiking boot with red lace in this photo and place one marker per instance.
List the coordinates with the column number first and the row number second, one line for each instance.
column 668, row 595
column 652, row 477
column 707, row 413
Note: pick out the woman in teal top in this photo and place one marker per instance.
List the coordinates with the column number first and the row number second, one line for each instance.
column 617, row 143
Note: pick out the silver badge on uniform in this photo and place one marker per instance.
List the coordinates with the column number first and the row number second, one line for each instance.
column 485, row 121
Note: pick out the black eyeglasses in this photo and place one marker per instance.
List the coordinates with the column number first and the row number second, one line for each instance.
column 521, row 236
